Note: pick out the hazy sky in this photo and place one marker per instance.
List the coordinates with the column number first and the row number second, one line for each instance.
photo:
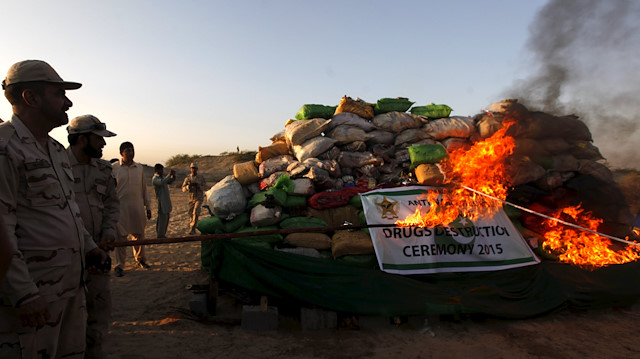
column 202, row 77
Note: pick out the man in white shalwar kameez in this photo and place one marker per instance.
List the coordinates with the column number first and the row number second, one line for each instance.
column 134, row 199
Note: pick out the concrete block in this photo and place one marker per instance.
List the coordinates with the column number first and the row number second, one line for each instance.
column 315, row 318
column 198, row 304
column 254, row 318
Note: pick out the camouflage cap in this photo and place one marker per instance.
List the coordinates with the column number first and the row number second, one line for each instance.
column 88, row 124
column 35, row 71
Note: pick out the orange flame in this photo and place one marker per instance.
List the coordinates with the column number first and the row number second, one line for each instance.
column 482, row 167
column 583, row 248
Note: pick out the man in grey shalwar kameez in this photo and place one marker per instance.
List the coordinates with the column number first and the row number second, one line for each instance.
column 161, row 186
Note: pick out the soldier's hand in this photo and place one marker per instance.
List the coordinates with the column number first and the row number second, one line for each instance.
column 148, row 214
column 106, row 241
column 172, row 173
column 34, row 313
column 97, row 261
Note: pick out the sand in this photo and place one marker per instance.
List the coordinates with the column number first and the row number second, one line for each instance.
column 151, row 319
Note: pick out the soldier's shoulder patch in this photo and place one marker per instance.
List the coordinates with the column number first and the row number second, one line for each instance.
column 6, row 131
column 58, row 145
column 104, row 164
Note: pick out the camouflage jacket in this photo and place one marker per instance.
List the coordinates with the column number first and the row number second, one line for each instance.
column 44, row 224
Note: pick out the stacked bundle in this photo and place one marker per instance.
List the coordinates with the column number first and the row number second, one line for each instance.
column 315, row 167
column 556, row 165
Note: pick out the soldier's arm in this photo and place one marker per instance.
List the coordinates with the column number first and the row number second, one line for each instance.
column 185, row 185
column 111, row 213
column 17, row 282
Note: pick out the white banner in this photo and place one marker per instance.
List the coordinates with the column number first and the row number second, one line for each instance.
column 486, row 244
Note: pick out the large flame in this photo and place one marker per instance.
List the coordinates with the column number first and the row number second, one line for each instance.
column 581, row 247
column 482, row 167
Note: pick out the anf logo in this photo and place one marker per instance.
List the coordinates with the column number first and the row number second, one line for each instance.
column 387, row 208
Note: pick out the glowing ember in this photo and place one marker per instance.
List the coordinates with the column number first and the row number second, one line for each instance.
column 581, row 247
column 482, row 168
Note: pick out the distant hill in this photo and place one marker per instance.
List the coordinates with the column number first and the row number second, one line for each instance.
column 213, row 168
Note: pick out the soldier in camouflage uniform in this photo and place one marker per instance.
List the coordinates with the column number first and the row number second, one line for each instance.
column 95, row 189
column 42, row 300
column 196, row 186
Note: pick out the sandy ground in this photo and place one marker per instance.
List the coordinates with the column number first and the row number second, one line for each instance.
column 151, row 320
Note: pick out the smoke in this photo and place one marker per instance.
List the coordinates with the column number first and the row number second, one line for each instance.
column 586, row 61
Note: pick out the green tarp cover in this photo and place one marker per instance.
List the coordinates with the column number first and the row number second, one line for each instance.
column 341, row 286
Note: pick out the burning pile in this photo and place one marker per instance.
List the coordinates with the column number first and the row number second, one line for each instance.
column 312, row 172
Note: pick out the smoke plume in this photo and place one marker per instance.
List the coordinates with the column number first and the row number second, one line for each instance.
column 586, row 61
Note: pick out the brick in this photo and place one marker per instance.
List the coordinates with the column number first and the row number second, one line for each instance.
column 198, row 304
column 254, row 318
column 315, row 318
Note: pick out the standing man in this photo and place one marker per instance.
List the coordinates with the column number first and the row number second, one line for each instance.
column 42, row 300
column 195, row 185
column 132, row 192
column 95, row 190
column 161, row 186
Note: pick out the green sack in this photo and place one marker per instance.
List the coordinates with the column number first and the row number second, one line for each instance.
column 356, row 201
column 236, row 223
column 385, row 105
column 210, row 225
column 270, row 197
column 429, row 153
column 285, row 183
column 257, row 199
column 315, row 111
column 269, row 238
column 294, row 201
column 302, row 222
column 278, row 196
column 432, row 111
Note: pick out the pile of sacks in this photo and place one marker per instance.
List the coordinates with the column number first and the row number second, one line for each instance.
column 311, row 173
column 556, row 165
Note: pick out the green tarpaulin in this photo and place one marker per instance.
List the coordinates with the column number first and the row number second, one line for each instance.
column 347, row 287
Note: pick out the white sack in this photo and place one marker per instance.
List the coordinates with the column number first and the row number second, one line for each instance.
column 226, row 198
column 344, row 134
column 262, row 216
column 299, row 131
column 381, row 137
column 275, row 164
column 396, row 122
column 348, row 118
column 313, row 147
column 455, row 126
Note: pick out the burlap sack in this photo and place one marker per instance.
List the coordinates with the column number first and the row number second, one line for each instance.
column 351, row 242
column 429, row 175
column 276, row 149
column 521, row 170
column 246, row 172
column 309, row 240
column 359, row 107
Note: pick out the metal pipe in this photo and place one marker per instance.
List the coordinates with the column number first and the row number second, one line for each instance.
column 209, row 237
